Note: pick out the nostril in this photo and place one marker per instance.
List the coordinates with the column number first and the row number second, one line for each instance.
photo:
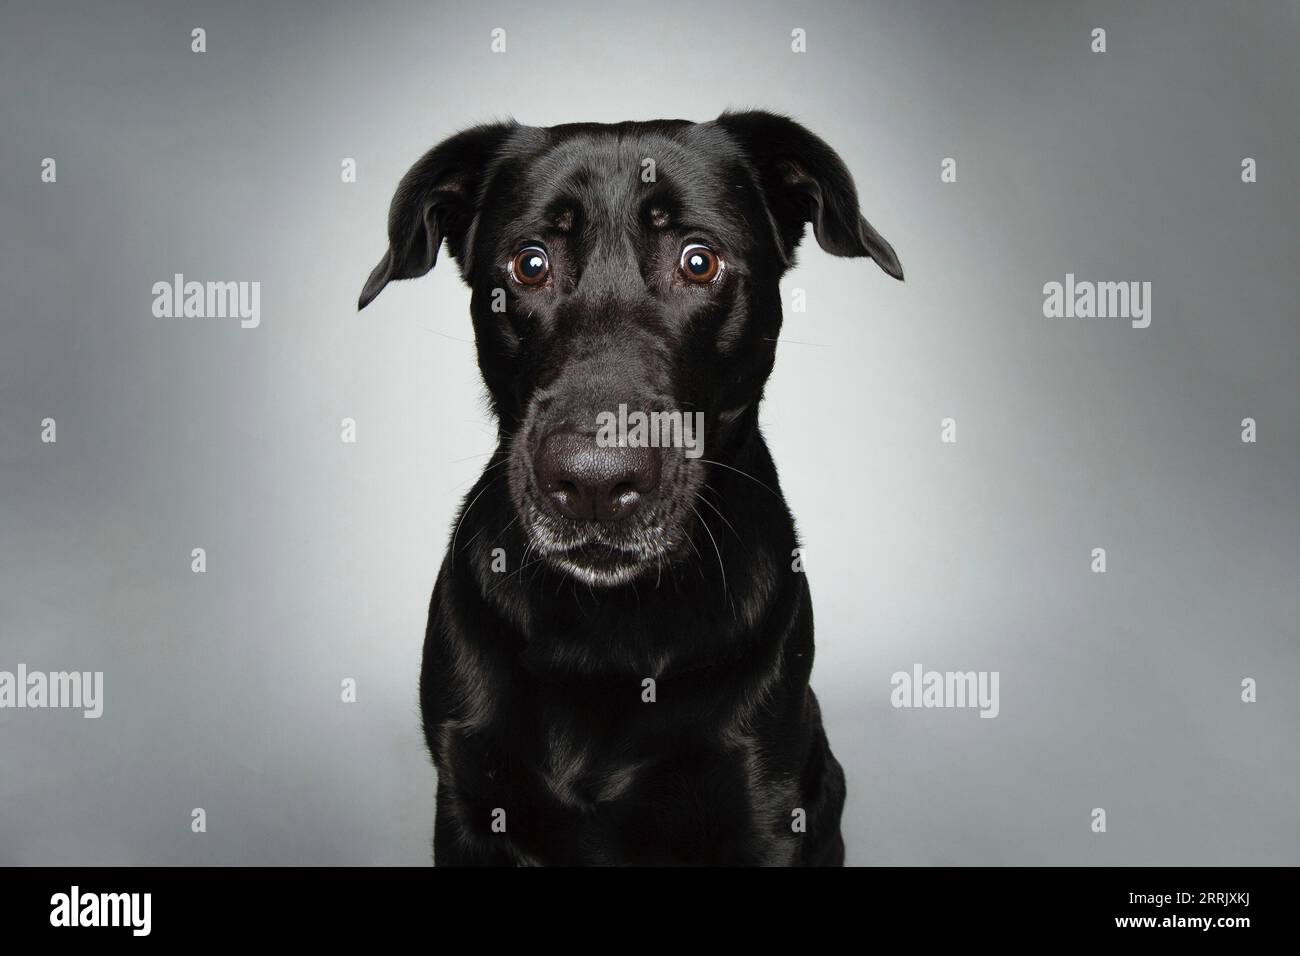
column 623, row 500
column 586, row 480
column 644, row 481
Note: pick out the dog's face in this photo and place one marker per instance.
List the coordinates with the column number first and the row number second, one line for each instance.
column 626, row 306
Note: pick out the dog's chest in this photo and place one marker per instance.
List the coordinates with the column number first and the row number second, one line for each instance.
column 581, row 769
column 597, row 745
column 602, row 771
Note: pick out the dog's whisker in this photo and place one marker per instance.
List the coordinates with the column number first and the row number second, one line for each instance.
column 468, row 481
column 699, row 566
column 507, row 578
column 820, row 345
column 474, row 537
column 445, row 335
column 716, row 511
column 710, row 461
column 510, row 524
column 498, row 534
column 481, row 454
column 718, row 551
column 466, row 514
column 523, row 563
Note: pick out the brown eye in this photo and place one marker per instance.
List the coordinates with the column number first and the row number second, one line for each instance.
column 700, row 263
column 530, row 266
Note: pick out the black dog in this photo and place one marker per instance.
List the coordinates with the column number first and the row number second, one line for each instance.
column 616, row 664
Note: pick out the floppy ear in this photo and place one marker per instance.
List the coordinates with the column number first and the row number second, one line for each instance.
column 804, row 180
column 435, row 200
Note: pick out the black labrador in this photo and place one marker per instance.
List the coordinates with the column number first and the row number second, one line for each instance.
column 620, row 638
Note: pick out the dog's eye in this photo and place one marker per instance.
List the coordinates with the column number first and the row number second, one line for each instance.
column 530, row 266
column 699, row 263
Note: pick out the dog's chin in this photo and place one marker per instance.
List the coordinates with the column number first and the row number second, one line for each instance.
column 599, row 565
column 601, row 555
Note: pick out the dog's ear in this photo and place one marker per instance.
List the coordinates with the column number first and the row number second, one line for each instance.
column 435, row 200
column 804, row 180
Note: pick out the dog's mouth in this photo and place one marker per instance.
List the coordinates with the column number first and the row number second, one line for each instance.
column 597, row 553
column 597, row 563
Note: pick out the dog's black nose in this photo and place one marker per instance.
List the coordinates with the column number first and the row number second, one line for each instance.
column 588, row 481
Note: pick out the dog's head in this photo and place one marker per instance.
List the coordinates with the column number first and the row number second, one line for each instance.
column 625, row 304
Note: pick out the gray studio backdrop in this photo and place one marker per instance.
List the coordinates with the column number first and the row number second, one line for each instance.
column 1119, row 691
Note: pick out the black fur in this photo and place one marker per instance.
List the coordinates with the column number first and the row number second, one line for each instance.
column 532, row 688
